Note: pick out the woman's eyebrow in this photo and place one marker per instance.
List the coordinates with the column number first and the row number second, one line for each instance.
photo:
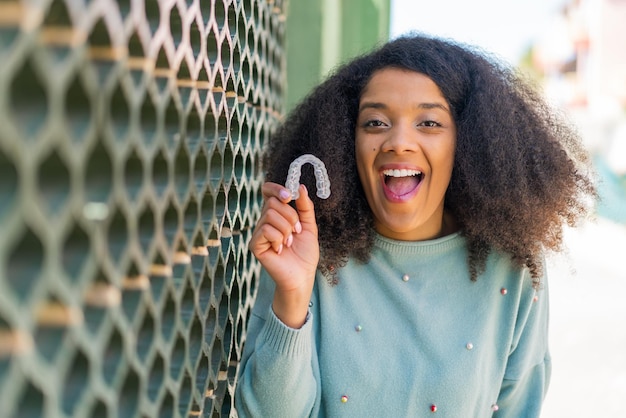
column 371, row 105
column 428, row 105
column 435, row 105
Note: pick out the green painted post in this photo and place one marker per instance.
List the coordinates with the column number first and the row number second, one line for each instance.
column 322, row 34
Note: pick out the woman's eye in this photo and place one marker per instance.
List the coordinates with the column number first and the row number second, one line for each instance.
column 430, row 124
column 374, row 123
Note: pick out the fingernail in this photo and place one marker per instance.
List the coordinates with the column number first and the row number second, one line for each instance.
column 284, row 194
column 298, row 227
column 280, row 249
column 289, row 241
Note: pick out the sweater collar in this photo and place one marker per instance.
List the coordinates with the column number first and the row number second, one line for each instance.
column 432, row 246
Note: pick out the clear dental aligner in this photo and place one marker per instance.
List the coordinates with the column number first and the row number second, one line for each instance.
column 322, row 182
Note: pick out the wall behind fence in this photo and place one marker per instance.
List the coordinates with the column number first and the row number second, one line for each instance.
column 130, row 137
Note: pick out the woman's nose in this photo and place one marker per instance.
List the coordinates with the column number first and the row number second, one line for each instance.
column 401, row 138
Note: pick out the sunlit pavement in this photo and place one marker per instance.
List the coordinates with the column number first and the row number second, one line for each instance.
column 588, row 324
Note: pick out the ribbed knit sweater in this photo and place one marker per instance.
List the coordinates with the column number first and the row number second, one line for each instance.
column 407, row 334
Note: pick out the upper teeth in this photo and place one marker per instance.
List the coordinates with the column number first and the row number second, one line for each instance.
column 401, row 173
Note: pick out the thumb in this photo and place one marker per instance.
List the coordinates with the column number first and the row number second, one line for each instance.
column 306, row 209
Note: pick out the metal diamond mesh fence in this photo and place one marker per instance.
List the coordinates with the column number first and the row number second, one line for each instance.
column 130, row 137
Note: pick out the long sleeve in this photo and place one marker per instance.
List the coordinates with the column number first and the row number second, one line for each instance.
column 277, row 375
column 528, row 368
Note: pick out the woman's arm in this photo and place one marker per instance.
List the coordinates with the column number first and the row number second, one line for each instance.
column 279, row 364
column 528, row 368
column 277, row 369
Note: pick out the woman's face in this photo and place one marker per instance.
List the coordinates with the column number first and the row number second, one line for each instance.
column 405, row 142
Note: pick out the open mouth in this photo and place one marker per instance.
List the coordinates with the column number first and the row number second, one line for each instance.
column 401, row 182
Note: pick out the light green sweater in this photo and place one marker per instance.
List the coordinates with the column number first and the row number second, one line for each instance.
column 404, row 335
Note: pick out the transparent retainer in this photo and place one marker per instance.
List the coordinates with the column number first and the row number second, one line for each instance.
column 322, row 182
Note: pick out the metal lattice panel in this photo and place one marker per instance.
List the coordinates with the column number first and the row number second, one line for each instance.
column 130, row 137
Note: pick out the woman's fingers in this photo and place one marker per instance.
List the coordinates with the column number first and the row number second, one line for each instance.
column 269, row 238
column 276, row 197
column 283, row 216
column 280, row 224
column 275, row 190
column 281, row 220
column 306, row 211
column 277, row 223
column 271, row 232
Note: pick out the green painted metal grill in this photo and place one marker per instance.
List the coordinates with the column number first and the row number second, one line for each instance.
column 130, row 143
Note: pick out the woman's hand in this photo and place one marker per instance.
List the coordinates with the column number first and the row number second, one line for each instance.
column 285, row 242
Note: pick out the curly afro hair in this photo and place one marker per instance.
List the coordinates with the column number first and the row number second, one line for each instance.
column 520, row 172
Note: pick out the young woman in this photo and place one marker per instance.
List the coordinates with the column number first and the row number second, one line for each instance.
column 418, row 286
